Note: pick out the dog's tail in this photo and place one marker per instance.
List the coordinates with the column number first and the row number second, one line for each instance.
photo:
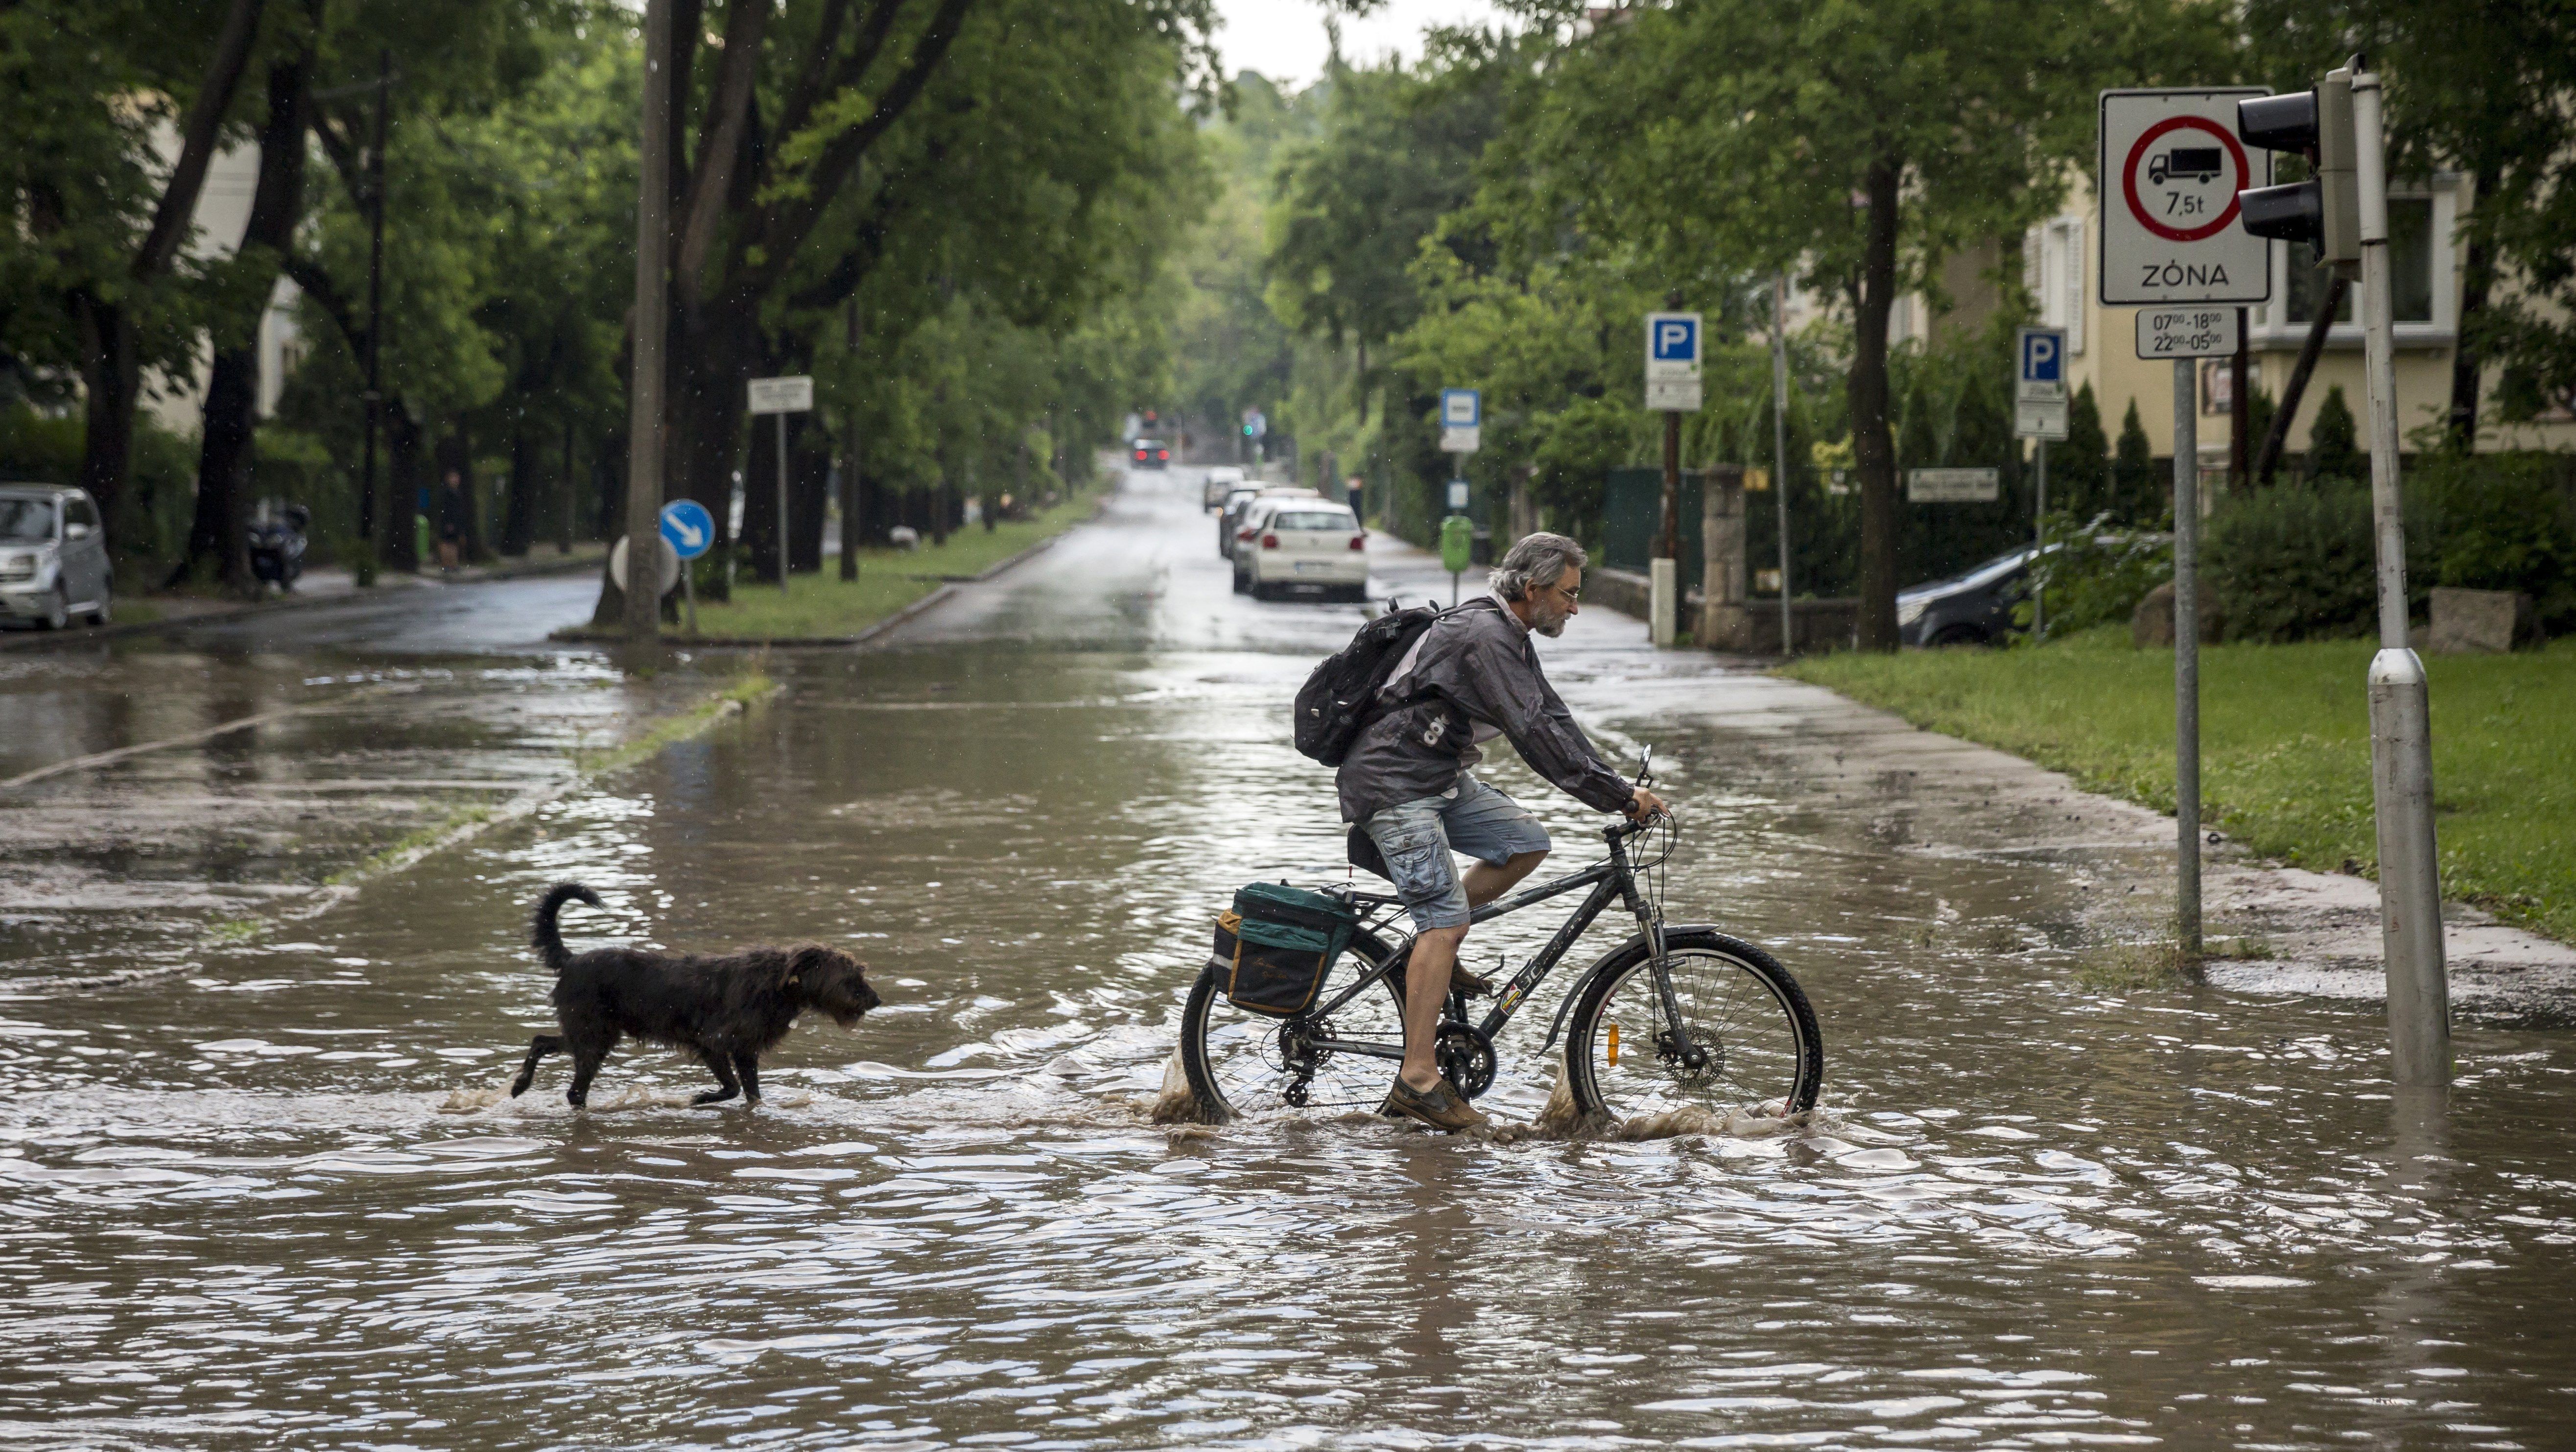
column 542, row 933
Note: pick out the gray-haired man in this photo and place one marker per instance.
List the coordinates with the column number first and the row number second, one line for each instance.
column 1410, row 781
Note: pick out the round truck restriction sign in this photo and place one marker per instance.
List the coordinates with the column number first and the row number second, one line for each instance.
column 2182, row 177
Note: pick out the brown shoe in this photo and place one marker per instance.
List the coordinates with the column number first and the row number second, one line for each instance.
column 1438, row 1106
column 1472, row 985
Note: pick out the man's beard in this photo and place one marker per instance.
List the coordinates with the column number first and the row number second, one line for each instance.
column 1550, row 624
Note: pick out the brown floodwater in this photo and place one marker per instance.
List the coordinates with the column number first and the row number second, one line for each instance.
column 271, row 1192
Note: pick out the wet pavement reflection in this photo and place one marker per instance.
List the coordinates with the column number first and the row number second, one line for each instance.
column 280, row 1197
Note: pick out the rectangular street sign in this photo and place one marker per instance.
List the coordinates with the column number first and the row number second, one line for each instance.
column 2041, row 376
column 1672, row 346
column 1674, row 395
column 1672, row 362
column 2169, row 170
column 2043, row 418
column 1462, row 418
column 782, row 395
column 1952, row 486
column 2205, row 332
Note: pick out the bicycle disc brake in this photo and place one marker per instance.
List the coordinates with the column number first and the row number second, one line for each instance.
column 1712, row 1055
column 1466, row 1058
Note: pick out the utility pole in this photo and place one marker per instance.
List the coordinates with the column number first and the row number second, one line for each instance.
column 652, row 327
column 2401, row 729
column 850, row 475
column 1780, row 445
column 365, row 571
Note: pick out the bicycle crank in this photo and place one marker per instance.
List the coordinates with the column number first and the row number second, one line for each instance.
column 1466, row 1058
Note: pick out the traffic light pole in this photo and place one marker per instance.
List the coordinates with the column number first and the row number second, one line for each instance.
column 2401, row 735
column 2186, row 605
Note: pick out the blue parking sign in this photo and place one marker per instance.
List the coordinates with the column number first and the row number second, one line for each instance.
column 689, row 528
column 2043, row 365
column 1675, row 337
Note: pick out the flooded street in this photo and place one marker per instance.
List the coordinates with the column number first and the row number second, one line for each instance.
column 266, row 1189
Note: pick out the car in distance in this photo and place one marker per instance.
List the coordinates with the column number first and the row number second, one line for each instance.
column 1969, row 608
column 1221, row 481
column 1149, row 454
column 53, row 556
column 1302, row 546
column 1230, row 533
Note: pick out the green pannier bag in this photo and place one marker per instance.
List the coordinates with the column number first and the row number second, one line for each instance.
column 1277, row 945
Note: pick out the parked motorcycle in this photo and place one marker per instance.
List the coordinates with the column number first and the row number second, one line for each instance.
column 277, row 545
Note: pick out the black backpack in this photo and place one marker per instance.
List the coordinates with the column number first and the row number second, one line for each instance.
column 1338, row 699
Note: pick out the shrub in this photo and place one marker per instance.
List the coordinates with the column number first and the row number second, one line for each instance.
column 2293, row 564
column 2496, row 522
column 2333, row 452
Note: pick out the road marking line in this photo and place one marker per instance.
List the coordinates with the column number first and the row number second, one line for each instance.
column 104, row 758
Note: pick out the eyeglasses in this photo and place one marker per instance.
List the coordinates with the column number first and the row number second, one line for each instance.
column 1571, row 596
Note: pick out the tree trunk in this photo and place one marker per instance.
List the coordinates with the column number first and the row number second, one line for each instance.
column 567, row 494
column 1873, row 449
column 108, row 352
column 2296, row 388
column 108, row 380
column 218, row 551
column 218, row 548
column 760, row 524
column 2477, row 280
column 519, row 515
column 399, row 520
column 809, row 487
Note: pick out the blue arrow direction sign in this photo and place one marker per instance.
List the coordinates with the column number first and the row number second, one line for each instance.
column 689, row 528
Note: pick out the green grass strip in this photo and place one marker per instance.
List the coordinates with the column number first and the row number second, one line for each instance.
column 2285, row 746
column 822, row 606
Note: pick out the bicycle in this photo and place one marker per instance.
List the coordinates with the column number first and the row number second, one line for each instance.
column 1709, row 1019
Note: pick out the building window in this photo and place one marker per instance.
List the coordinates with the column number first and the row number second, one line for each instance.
column 2410, row 268
column 2423, row 287
column 2052, row 268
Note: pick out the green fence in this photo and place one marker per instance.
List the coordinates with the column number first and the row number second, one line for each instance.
column 1633, row 510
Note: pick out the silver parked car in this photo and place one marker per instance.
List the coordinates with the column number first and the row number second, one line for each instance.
column 53, row 556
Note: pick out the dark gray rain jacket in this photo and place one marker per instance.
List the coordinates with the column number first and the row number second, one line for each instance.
column 1475, row 667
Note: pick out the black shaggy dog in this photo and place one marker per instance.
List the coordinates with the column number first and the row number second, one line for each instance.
column 728, row 1011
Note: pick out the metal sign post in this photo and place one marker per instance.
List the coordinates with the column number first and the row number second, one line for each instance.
column 2039, row 414
column 2170, row 168
column 782, row 396
column 1673, row 387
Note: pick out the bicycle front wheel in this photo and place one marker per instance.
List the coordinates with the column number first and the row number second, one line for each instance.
column 1759, row 1048
column 1251, row 1063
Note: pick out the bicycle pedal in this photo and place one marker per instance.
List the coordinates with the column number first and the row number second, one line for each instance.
column 1470, row 985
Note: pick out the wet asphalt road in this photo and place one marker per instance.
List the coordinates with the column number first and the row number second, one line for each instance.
column 268, row 1192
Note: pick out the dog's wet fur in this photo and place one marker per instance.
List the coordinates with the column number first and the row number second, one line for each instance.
column 728, row 1011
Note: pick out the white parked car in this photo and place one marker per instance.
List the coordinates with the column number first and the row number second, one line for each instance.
column 53, row 556
column 1220, row 481
column 1302, row 546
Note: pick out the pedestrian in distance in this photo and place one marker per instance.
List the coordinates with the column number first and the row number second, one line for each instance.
column 1410, row 782
column 453, row 501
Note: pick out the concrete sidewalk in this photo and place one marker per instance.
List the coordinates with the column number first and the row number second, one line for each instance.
column 327, row 585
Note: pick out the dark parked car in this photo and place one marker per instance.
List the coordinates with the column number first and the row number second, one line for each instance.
column 1149, row 454
column 1969, row 608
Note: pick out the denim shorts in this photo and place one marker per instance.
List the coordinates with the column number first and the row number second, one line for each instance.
column 1416, row 838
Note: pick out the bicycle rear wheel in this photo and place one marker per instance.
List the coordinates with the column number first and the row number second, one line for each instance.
column 1763, row 1051
column 1251, row 1063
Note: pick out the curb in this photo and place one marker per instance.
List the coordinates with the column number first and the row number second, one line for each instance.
column 585, row 635
column 30, row 640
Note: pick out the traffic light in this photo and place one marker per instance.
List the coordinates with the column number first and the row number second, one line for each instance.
column 2324, row 212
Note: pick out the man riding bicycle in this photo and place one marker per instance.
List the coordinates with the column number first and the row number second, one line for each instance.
column 1409, row 781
